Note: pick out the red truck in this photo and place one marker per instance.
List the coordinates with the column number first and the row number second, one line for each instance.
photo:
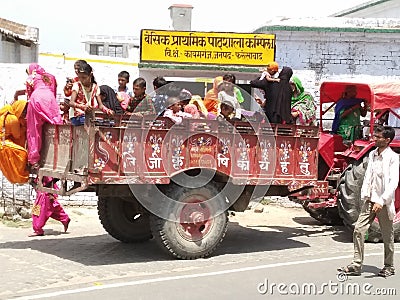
column 176, row 183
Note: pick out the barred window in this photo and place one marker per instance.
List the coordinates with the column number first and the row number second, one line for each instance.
column 115, row 51
column 96, row 49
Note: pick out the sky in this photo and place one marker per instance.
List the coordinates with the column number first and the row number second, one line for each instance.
column 62, row 23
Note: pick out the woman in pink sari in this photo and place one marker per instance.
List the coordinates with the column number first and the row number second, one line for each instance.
column 41, row 88
column 46, row 206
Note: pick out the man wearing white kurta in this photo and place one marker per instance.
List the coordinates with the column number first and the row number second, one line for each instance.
column 378, row 193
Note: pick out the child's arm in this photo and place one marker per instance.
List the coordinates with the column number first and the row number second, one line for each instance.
column 272, row 79
column 264, row 75
column 68, row 87
column 18, row 93
column 74, row 95
column 73, row 104
column 103, row 108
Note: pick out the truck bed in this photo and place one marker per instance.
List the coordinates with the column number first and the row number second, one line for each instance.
column 135, row 150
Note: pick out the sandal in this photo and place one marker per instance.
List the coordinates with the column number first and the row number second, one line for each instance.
column 350, row 270
column 35, row 234
column 386, row 272
column 66, row 225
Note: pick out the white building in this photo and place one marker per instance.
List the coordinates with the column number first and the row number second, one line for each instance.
column 112, row 46
column 18, row 43
column 372, row 9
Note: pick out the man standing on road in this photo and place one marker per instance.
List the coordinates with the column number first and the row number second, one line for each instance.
column 378, row 193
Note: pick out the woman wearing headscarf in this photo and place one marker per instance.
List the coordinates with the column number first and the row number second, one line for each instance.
column 41, row 89
column 110, row 100
column 278, row 99
column 211, row 101
column 348, row 111
column 196, row 100
column 303, row 105
column 14, row 157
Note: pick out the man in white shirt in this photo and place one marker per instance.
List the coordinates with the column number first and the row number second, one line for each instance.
column 378, row 193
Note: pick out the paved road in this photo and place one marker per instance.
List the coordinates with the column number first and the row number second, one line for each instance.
column 263, row 256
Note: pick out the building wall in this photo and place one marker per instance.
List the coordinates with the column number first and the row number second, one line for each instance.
column 15, row 52
column 18, row 42
column 338, row 52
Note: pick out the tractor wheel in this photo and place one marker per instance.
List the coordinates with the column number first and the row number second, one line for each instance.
column 350, row 204
column 194, row 230
column 326, row 215
column 123, row 221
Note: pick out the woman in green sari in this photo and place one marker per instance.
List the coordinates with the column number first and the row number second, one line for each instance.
column 303, row 105
column 348, row 111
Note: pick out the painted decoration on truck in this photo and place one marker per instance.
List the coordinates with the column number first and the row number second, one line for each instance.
column 128, row 151
column 306, row 158
column 242, row 161
column 223, row 157
column 221, row 48
column 265, row 149
column 177, row 148
column 154, row 161
column 202, row 150
column 304, row 151
column 285, row 157
column 102, row 155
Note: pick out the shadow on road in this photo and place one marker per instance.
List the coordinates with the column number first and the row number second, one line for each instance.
column 104, row 250
column 340, row 233
column 306, row 221
column 91, row 250
column 246, row 240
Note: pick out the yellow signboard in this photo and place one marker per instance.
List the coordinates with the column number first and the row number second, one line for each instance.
column 216, row 48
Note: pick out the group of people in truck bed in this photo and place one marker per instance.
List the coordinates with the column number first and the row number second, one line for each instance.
column 285, row 100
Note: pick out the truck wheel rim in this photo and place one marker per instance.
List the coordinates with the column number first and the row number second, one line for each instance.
column 194, row 220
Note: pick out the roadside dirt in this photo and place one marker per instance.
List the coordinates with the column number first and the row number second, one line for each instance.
column 272, row 214
column 260, row 215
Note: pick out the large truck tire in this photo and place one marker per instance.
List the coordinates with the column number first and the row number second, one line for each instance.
column 123, row 221
column 184, row 238
column 325, row 215
column 350, row 203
